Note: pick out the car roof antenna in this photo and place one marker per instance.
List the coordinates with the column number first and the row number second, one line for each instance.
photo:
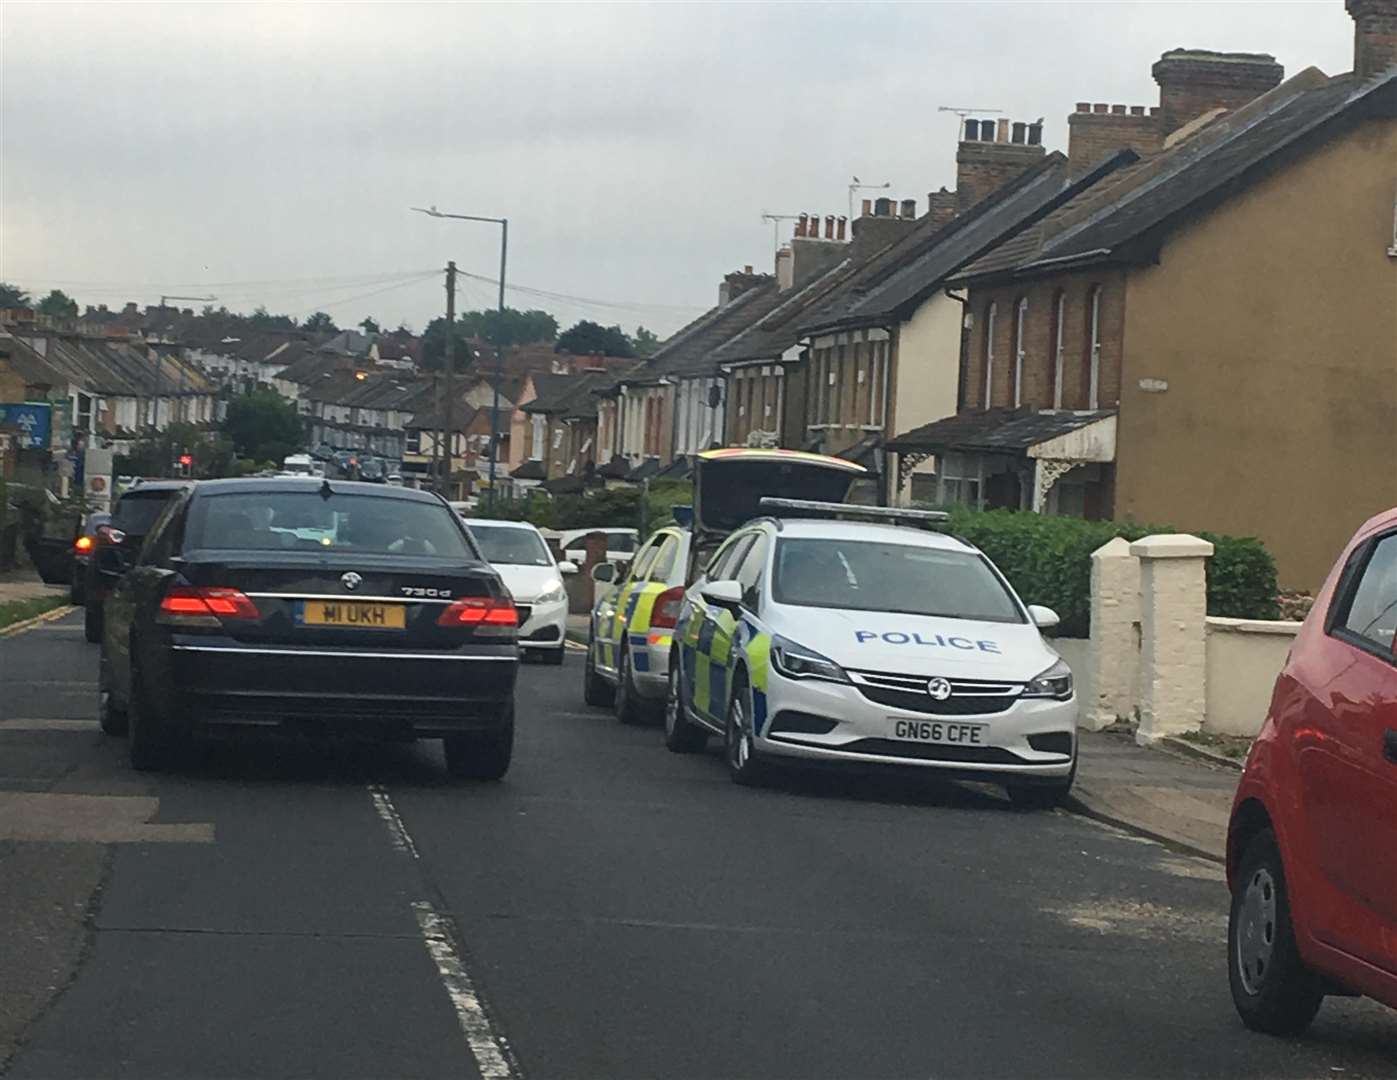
column 325, row 489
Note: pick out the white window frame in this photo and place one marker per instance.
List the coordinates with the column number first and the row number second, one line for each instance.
column 538, row 436
column 1020, row 318
column 989, row 354
column 1057, row 350
column 1094, row 347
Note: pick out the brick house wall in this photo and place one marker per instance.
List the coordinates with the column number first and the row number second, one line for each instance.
column 1042, row 315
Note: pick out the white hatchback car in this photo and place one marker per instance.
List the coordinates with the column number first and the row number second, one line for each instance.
column 863, row 642
column 517, row 550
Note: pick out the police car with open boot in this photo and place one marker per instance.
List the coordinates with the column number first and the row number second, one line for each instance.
column 838, row 633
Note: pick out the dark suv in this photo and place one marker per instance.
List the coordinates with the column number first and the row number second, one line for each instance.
column 135, row 513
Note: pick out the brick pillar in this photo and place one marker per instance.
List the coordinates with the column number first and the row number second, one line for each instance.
column 1108, row 686
column 1173, row 629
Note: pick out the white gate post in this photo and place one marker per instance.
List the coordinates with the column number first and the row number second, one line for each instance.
column 1113, row 656
column 1173, row 634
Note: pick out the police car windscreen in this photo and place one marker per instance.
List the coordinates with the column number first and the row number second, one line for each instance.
column 507, row 546
column 862, row 575
column 284, row 520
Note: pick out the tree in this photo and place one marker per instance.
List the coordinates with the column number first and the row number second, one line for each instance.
column 12, row 296
column 59, row 305
column 513, row 327
column 320, row 323
column 261, row 320
column 370, row 325
column 587, row 338
column 644, row 342
column 263, row 425
column 434, row 347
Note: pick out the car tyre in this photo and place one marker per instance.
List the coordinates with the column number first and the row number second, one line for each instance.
column 92, row 620
column 1042, row 796
column 595, row 690
column 481, row 755
column 554, row 657
column 150, row 745
column 113, row 720
column 1272, row 989
column 629, row 708
column 745, row 766
column 77, row 589
column 682, row 735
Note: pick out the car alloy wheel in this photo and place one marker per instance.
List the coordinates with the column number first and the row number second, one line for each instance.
column 682, row 735
column 744, row 766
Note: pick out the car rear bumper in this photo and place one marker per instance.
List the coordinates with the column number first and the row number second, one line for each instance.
column 341, row 692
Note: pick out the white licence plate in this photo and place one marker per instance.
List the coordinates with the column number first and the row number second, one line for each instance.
column 943, row 732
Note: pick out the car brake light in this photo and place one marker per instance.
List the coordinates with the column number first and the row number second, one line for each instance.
column 198, row 606
column 665, row 613
column 83, row 543
column 480, row 612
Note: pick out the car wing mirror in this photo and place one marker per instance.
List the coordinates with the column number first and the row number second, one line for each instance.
column 603, row 572
column 567, row 567
column 1045, row 618
column 723, row 594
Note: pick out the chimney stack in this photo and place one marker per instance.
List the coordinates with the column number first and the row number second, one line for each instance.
column 941, row 207
column 1095, row 132
column 867, row 208
column 1196, row 81
column 909, row 208
column 1374, row 35
column 1001, row 152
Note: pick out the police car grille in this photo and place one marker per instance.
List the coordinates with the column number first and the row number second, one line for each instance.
column 969, row 697
column 979, row 755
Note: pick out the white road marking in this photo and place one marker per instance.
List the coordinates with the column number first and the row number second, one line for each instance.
column 397, row 831
column 490, row 1051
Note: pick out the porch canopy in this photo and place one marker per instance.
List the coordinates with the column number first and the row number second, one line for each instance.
column 1014, row 458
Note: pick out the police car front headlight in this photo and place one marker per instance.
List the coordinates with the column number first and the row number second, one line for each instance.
column 1054, row 683
column 797, row 662
column 552, row 594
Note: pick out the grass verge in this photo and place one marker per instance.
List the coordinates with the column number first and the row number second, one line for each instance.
column 1232, row 746
column 16, row 611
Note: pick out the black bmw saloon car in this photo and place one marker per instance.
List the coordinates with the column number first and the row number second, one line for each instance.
column 325, row 607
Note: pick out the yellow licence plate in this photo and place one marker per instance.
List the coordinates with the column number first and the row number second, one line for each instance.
column 354, row 613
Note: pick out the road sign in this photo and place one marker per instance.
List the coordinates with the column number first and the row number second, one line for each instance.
column 33, row 421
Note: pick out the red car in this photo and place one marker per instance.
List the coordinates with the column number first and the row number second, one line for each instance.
column 1312, row 844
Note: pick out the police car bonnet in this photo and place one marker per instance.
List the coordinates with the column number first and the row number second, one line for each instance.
column 730, row 484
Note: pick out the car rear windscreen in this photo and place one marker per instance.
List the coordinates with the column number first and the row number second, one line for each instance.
column 308, row 521
column 136, row 511
column 863, row 575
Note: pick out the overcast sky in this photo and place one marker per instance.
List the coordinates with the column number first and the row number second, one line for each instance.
column 268, row 153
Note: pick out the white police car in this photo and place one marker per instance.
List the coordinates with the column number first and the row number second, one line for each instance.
column 860, row 641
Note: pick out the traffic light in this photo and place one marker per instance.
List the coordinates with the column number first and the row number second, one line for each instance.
column 186, row 462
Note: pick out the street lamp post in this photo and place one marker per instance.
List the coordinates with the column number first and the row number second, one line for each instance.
column 503, row 223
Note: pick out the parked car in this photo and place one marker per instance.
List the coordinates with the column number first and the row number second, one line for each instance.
column 132, row 518
column 94, row 526
column 517, row 550
column 1312, row 843
column 390, row 625
column 620, row 544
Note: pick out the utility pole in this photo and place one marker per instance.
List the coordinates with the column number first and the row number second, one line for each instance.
column 450, row 412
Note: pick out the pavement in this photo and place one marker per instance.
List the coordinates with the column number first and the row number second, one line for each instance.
column 609, row 910
column 25, row 585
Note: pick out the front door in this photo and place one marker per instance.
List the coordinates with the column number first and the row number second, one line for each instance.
column 1349, row 768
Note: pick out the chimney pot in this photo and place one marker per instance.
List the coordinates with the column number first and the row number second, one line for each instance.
column 972, row 131
column 1002, row 135
column 747, row 270
column 1020, row 132
column 883, row 207
column 1035, row 133
column 1374, row 35
column 801, row 223
column 1084, row 106
column 1137, row 110
column 841, row 225
column 1118, row 110
column 868, row 208
column 909, row 208
column 829, row 226
column 1101, row 107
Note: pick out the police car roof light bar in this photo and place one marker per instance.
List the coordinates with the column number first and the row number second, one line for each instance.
column 810, row 508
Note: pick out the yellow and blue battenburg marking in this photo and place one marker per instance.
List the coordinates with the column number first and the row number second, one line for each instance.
column 712, row 647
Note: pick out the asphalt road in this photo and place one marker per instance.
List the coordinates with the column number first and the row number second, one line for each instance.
column 609, row 910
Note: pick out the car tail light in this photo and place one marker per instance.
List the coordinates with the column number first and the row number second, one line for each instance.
column 665, row 613
column 83, row 544
column 485, row 615
column 186, row 605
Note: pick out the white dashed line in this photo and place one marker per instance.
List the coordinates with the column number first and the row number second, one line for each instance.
column 397, row 831
column 490, row 1051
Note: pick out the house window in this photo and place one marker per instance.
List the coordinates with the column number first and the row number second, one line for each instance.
column 989, row 354
column 877, row 382
column 1059, row 310
column 539, row 436
column 960, row 480
column 84, row 412
column 1020, row 317
column 1094, row 348
column 557, row 437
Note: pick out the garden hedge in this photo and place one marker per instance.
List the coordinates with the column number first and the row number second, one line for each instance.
column 1048, row 561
